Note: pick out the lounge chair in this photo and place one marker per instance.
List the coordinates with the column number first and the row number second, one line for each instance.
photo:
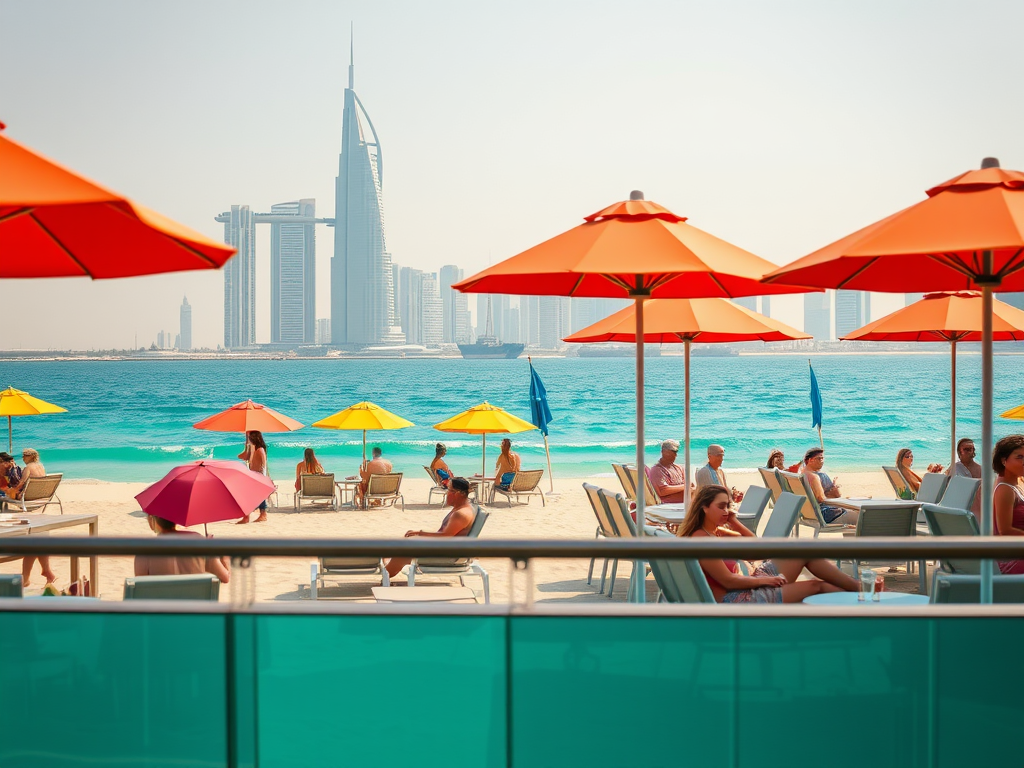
column 605, row 530
column 884, row 520
column 199, row 586
column 783, row 517
column 950, row 588
column 384, row 488
column 524, row 483
column 898, row 483
column 617, row 507
column 932, row 486
column 457, row 566
column 437, row 488
column 345, row 566
column 10, row 585
column 946, row 521
column 810, row 511
column 39, row 493
column 754, row 503
column 651, row 496
column 626, row 480
column 960, row 492
column 316, row 489
column 771, row 482
column 681, row 581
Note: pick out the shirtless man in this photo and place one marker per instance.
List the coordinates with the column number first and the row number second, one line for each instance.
column 378, row 465
column 457, row 522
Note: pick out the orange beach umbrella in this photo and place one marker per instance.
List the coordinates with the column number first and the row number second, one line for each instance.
column 248, row 416
column 949, row 316
column 55, row 223
column 683, row 321
column 968, row 233
column 632, row 249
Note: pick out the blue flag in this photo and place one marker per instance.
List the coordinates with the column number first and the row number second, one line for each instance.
column 540, row 414
column 815, row 399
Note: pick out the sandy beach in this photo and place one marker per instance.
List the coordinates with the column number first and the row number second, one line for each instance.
column 566, row 516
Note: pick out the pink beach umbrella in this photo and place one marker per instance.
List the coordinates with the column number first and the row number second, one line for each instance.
column 206, row 492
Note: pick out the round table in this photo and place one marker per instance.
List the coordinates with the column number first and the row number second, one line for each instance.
column 850, row 598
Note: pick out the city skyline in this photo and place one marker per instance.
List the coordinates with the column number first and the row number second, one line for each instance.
column 471, row 179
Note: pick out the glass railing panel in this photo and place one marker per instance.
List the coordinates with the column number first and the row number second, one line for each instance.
column 635, row 691
column 112, row 689
column 418, row 691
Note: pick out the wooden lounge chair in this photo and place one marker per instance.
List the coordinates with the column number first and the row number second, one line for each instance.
column 437, row 487
column 458, row 566
column 960, row 492
column 10, row 585
column 384, row 488
column 626, row 480
column 651, row 496
column 39, row 493
column 771, row 482
column 524, row 483
column 200, row 586
column 316, row 489
column 344, row 566
column 810, row 510
column 898, row 483
column 754, row 503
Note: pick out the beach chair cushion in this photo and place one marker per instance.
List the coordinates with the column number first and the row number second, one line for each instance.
column 184, row 587
column 932, row 486
column 783, row 518
column 960, row 492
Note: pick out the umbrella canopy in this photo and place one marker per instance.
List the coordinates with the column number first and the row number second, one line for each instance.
column 248, row 416
column 968, row 233
column 206, row 492
column 14, row 402
column 55, row 223
column 949, row 316
column 1013, row 413
column 683, row 321
column 484, row 419
column 633, row 249
column 364, row 416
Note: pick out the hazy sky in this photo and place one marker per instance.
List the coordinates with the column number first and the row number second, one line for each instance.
column 779, row 126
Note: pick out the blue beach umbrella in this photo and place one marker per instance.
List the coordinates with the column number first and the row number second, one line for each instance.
column 540, row 414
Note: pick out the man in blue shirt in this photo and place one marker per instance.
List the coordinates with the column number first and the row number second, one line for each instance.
column 824, row 488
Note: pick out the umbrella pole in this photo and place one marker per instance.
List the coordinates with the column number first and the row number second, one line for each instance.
column 639, row 572
column 686, row 412
column 952, row 418
column 364, row 446
column 483, row 457
column 986, row 419
column 10, row 436
column 547, row 452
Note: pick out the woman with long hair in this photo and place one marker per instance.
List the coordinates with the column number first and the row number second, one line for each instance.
column 1007, row 499
column 308, row 466
column 438, row 466
column 506, row 466
column 770, row 581
column 255, row 456
column 776, row 459
column 904, row 462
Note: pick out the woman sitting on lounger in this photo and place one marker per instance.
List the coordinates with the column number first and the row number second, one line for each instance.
column 1007, row 499
column 439, row 467
column 308, row 466
column 776, row 459
column 771, row 581
column 904, row 462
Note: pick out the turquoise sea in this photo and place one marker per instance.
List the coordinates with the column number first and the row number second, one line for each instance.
column 132, row 420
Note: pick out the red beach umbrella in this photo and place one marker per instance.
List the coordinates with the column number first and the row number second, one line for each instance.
column 206, row 492
column 632, row 249
column 55, row 223
column 248, row 416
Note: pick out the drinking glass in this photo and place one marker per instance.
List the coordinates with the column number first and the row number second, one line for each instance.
column 867, row 585
column 879, row 587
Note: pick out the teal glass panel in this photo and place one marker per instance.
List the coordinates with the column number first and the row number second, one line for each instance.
column 418, row 691
column 980, row 693
column 112, row 689
column 803, row 682
column 631, row 691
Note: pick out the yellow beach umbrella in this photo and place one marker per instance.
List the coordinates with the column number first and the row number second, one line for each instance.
column 14, row 402
column 484, row 419
column 363, row 416
column 1013, row 413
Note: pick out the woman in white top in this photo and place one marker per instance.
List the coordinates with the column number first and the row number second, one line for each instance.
column 33, row 468
column 255, row 455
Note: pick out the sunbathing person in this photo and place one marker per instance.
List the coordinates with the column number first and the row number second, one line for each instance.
column 1007, row 498
column 33, row 468
column 457, row 522
column 904, row 462
column 776, row 459
column 378, row 465
column 506, row 466
column 770, row 581
column 824, row 488
column 308, row 466
column 438, row 466
column 162, row 565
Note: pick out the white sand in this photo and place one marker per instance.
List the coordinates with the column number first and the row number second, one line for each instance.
column 566, row 516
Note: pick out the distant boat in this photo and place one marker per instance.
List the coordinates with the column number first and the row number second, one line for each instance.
column 488, row 346
column 616, row 350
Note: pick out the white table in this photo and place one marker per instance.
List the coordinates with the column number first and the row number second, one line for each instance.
column 850, row 598
column 424, row 595
column 666, row 513
column 859, row 503
column 347, row 488
column 42, row 523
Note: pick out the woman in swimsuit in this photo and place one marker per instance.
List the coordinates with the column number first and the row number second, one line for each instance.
column 771, row 581
column 1007, row 498
column 439, row 468
column 255, row 455
column 308, row 466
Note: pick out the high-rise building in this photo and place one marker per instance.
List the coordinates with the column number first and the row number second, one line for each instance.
column 818, row 315
column 529, row 320
column 747, row 302
column 293, row 273
column 240, row 278
column 323, row 330
column 177, row 341
column 853, row 309
column 362, row 308
column 511, row 325
column 910, row 298
column 762, row 304
column 554, row 321
column 185, row 326
column 499, row 303
column 451, row 306
column 410, row 308
column 431, row 332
